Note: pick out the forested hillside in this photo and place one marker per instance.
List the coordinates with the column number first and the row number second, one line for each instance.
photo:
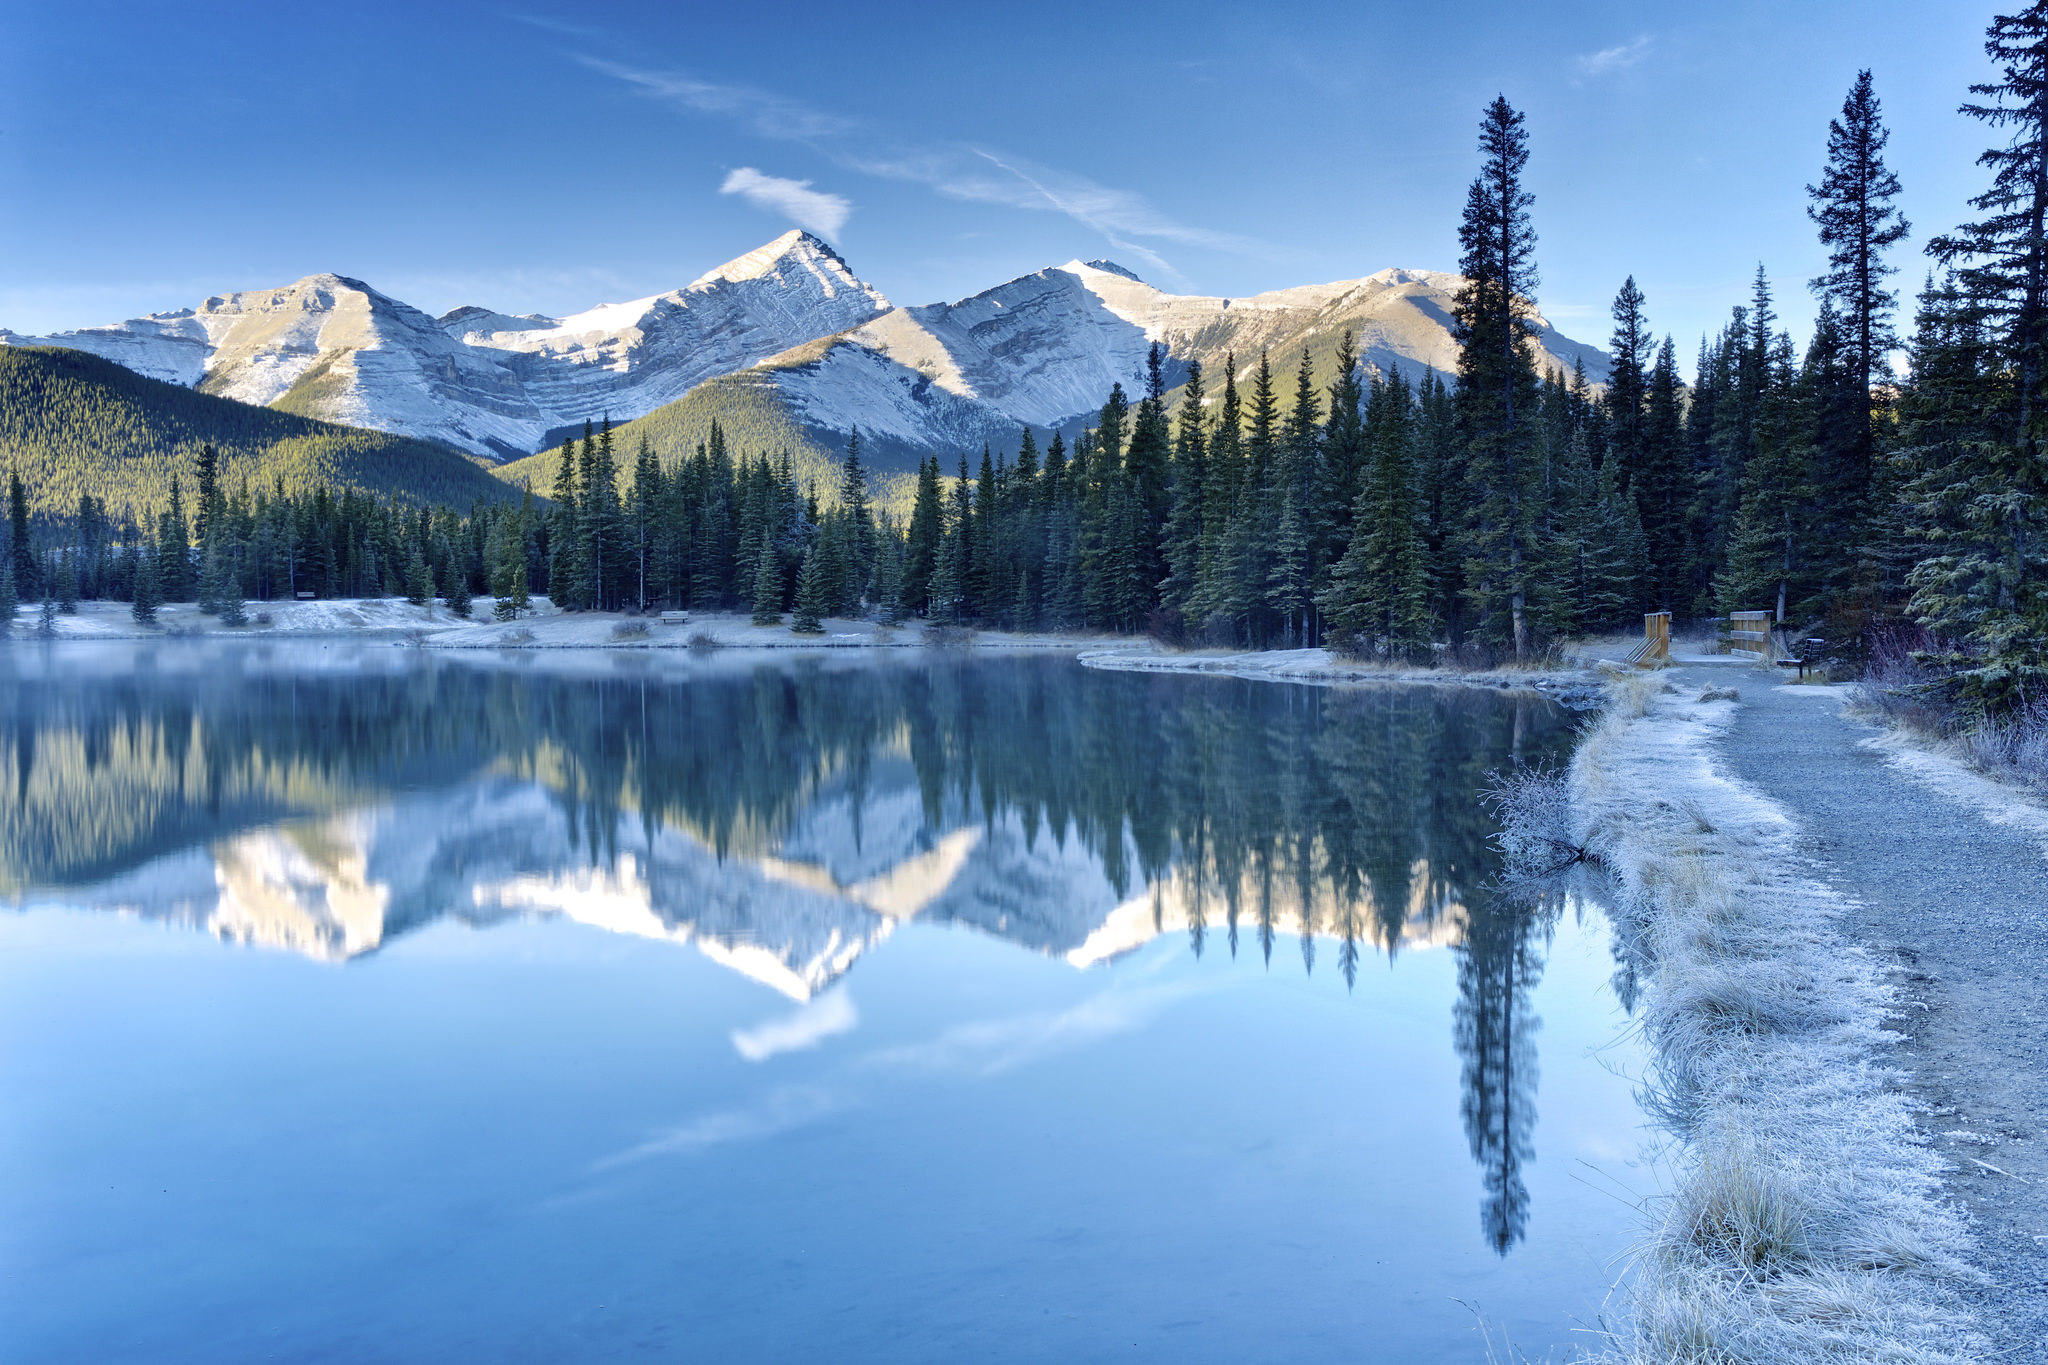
column 752, row 423
column 72, row 424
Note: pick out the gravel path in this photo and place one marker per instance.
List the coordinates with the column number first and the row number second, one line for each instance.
column 1960, row 904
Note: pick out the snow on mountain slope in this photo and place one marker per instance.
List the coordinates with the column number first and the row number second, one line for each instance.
column 490, row 383
column 1045, row 348
column 631, row 358
column 1042, row 349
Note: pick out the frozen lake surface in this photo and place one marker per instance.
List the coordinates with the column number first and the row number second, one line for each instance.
column 359, row 1006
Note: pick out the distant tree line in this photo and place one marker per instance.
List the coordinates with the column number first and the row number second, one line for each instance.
column 1387, row 514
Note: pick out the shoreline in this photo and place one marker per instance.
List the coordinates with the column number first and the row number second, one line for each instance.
column 1807, row 1218
column 1321, row 668
column 395, row 622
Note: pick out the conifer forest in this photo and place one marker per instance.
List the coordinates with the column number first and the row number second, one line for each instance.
column 1884, row 477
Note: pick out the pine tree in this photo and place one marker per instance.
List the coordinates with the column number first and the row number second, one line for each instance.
column 1185, row 532
column 1659, row 484
column 174, row 549
column 455, row 591
column 67, row 583
column 1982, row 500
column 768, row 585
column 10, row 600
column 419, row 581
column 515, row 600
column 1377, row 599
column 1215, row 597
column 22, row 552
column 925, row 537
column 888, row 579
column 1628, row 381
column 1497, row 379
column 233, row 610
column 1764, row 557
column 1344, row 454
column 564, row 537
column 1297, row 529
column 811, row 602
column 213, row 569
column 858, row 552
column 209, row 491
column 147, row 592
column 1858, row 222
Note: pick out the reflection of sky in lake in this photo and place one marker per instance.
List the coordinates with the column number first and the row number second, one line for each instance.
column 946, row 1087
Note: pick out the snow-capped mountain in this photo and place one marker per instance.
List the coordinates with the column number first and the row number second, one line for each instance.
column 1044, row 349
column 795, row 919
column 486, row 382
column 828, row 348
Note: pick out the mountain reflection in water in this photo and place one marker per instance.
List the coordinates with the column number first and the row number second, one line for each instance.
column 784, row 817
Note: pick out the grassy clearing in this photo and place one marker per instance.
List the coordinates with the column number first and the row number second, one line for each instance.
column 1805, row 1221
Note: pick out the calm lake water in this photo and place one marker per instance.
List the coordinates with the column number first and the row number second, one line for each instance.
column 358, row 1007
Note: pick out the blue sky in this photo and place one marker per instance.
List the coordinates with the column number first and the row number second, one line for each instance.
column 547, row 157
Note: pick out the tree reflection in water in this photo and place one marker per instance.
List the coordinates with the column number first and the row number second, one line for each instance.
column 1350, row 815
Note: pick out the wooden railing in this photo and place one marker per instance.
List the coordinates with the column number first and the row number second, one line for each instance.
column 1656, row 646
column 1749, row 633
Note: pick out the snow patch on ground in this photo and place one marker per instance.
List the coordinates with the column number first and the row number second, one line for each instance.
column 1948, row 775
column 1320, row 666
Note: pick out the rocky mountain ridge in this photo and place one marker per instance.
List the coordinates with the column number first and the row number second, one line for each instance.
column 829, row 350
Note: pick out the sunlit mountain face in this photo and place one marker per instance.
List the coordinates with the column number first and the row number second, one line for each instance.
column 781, row 818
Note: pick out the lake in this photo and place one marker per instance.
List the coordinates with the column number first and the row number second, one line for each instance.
column 359, row 1005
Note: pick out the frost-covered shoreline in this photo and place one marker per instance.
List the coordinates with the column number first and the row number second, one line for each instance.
column 1806, row 1219
column 1320, row 666
column 395, row 620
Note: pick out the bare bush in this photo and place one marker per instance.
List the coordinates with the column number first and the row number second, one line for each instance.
column 945, row 636
column 1533, row 807
column 703, row 639
column 630, row 630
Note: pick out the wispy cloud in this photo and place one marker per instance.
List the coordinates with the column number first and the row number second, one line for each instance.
column 990, row 1046
column 1123, row 218
column 822, row 1018
column 782, row 1110
column 795, row 200
column 1611, row 59
column 762, row 112
column 978, row 1048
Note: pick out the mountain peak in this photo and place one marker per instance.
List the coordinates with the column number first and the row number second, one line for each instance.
column 1101, row 267
column 793, row 247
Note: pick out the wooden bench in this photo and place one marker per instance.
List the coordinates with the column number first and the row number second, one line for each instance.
column 1808, row 656
column 675, row 618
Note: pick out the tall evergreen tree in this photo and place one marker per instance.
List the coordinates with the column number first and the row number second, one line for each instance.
column 925, row 537
column 1627, row 397
column 147, row 594
column 1497, row 378
column 1989, row 581
column 812, row 601
column 1185, row 529
column 1853, row 207
column 1377, row 601
column 768, row 586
